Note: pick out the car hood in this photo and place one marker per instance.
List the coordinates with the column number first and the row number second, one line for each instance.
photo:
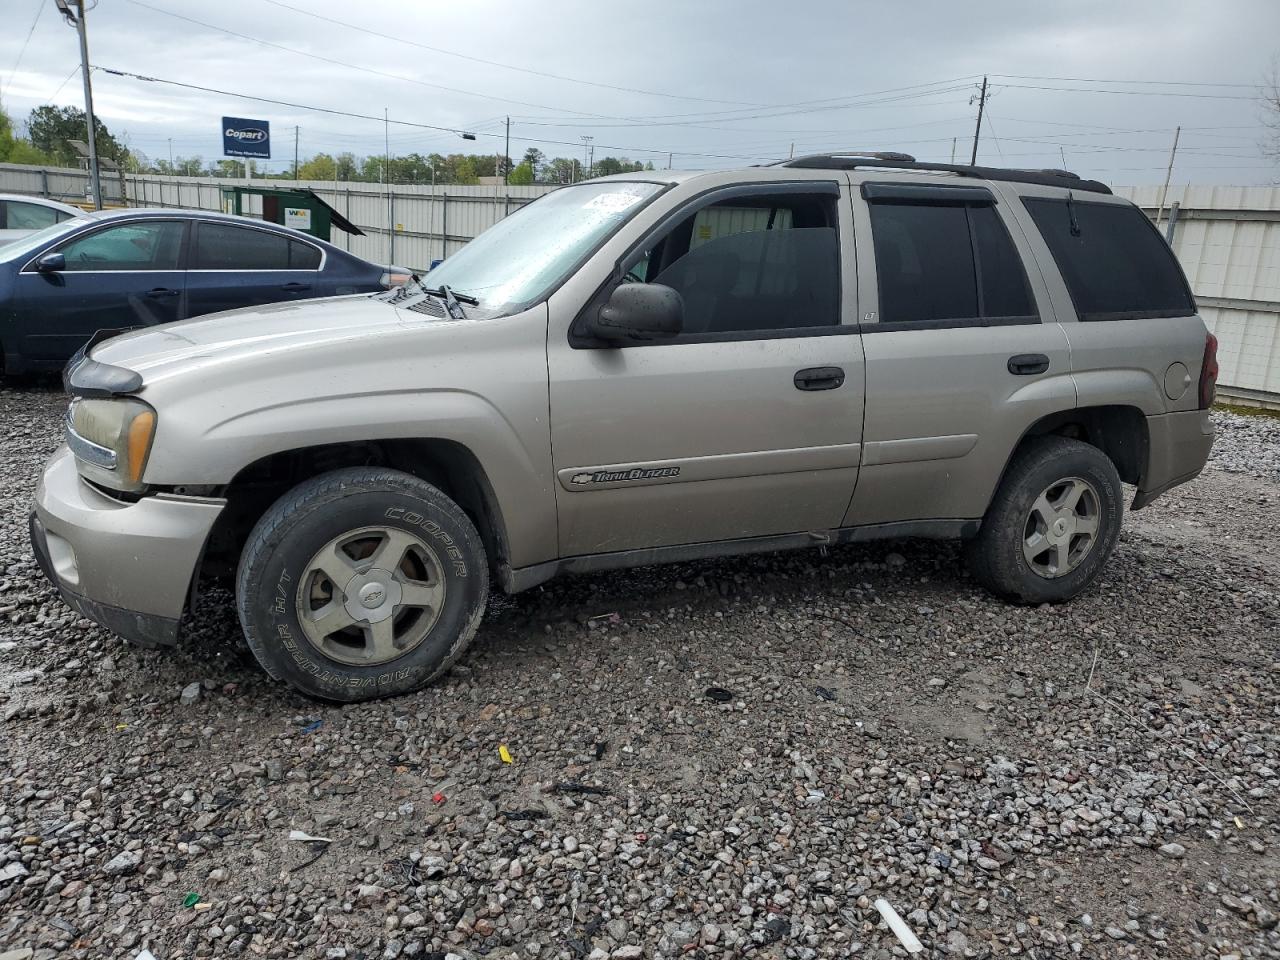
column 280, row 328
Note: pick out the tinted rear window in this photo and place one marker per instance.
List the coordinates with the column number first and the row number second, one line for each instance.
column 946, row 262
column 1115, row 264
column 221, row 246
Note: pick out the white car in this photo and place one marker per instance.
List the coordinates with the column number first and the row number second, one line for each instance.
column 22, row 215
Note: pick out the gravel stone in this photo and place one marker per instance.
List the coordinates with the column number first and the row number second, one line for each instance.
column 1007, row 810
column 124, row 862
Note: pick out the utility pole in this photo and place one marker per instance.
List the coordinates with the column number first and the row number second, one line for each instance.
column 1167, row 175
column 953, row 149
column 295, row 152
column 76, row 18
column 669, row 156
column 386, row 125
column 792, row 154
column 586, row 152
column 171, row 153
column 506, row 156
column 591, row 161
column 977, row 130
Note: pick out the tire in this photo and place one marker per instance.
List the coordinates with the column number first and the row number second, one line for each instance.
column 398, row 626
column 1006, row 557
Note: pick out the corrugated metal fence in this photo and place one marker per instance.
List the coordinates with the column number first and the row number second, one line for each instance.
column 429, row 222
column 1228, row 239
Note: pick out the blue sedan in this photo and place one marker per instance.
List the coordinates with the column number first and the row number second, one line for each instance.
column 134, row 268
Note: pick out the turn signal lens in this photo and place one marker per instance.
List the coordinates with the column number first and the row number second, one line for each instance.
column 141, row 430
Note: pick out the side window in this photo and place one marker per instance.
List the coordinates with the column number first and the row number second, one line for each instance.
column 225, row 246
column 16, row 215
column 151, row 245
column 946, row 261
column 751, row 264
column 303, row 256
column 1114, row 262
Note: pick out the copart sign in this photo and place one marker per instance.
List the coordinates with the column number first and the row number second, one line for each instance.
column 246, row 138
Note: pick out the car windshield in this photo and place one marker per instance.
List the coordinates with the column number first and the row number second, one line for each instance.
column 34, row 241
column 517, row 261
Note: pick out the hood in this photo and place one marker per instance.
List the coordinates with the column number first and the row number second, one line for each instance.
column 279, row 328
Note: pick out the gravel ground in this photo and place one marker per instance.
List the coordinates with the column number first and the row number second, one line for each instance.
column 1097, row 779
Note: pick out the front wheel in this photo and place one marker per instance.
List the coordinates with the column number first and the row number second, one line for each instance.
column 361, row 583
column 1052, row 525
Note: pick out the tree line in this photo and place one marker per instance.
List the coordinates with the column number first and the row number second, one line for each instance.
column 50, row 130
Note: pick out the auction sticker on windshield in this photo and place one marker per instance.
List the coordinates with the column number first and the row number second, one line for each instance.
column 615, row 201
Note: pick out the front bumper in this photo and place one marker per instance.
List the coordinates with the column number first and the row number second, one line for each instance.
column 1178, row 448
column 126, row 566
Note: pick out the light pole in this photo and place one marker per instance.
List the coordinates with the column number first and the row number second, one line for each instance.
column 64, row 7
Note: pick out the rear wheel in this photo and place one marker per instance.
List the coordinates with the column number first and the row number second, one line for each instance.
column 361, row 583
column 1052, row 525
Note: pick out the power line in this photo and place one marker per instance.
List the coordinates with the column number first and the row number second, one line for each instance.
column 406, row 123
column 1161, row 83
column 74, row 71
column 1124, row 93
column 823, row 103
column 506, row 66
column 14, row 72
column 353, row 66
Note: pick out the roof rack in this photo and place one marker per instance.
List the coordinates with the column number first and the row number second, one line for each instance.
column 901, row 161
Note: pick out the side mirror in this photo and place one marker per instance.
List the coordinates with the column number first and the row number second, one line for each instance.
column 639, row 311
column 51, row 263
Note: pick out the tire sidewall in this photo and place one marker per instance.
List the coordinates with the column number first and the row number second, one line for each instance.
column 269, row 601
column 1032, row 586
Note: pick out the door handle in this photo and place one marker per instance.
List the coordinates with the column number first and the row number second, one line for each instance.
column 296, row 287
column 819, row 378
column 1028, row 364
column 157, row 292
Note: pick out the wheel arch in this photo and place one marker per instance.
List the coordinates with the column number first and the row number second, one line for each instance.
column 446, row 464
column 1119, row 430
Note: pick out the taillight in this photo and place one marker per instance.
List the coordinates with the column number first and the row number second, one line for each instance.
column 1209, row 372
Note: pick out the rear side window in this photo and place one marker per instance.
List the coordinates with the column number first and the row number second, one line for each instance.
column 946, row 262
column 222, row 246
column 1114, row 262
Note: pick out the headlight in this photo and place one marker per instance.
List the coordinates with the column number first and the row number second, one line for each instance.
column 111, row 440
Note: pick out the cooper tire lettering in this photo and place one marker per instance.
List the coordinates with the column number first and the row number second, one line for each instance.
column 316, row 512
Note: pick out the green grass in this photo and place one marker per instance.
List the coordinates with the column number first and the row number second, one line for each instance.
column 1247, row 411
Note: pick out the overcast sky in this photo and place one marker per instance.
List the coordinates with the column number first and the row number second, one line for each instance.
column 714, row 83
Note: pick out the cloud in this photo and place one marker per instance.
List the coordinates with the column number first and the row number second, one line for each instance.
column 718, row 79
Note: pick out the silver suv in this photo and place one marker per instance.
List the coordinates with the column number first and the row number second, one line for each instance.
column 632, row 370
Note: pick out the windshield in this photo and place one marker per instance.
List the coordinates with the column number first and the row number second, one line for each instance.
column 34, row 241
column 518, row 260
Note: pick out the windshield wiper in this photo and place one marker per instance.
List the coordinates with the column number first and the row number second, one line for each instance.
column 452, row 300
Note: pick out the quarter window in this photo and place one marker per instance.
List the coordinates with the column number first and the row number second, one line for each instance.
column 1114, row 262
column 224, row 246
column 940, row 262
column 752, row 264
column 153, row 245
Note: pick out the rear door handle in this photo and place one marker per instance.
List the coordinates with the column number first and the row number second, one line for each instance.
column 819, row 378
column 1028, row 364
column 296, row 287
column 161, row 292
